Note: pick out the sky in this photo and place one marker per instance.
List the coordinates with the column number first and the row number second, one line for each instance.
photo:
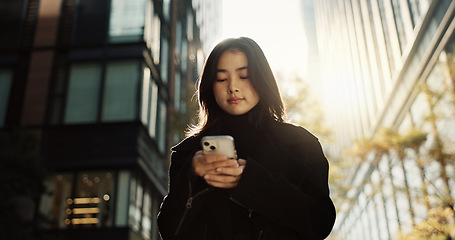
column 277, row 26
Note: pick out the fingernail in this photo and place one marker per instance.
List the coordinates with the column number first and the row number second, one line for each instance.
column 207, row 177
column 218, row 169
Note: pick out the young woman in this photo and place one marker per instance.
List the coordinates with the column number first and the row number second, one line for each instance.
column 278, row 186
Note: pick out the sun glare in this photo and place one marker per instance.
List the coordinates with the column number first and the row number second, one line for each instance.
column 277, row 26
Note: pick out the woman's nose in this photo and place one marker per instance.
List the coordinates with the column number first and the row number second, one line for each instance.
column 233, row 85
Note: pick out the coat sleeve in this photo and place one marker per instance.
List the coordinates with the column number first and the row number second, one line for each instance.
column 185, row 198
column 304, row 206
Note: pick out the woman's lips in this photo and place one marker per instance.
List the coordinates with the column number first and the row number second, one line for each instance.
column 234, row 100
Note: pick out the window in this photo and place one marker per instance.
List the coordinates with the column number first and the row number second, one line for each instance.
column 82, row 200
column 147, row 214
column 167, row 10
column 178, row 36
column 149, row 102
column 141, row 207
column 156, row 39
column 121, row 214
column 153, row 109
column 90, row 22
column 91, row 203
column 6, row 77
column 152, row 31
column 177, row 91
column 135, row 213
column 161, row 131
column 54, row 200
column 93, row 199
column 145, row 103
column 148, row 25
column 12, row 21
column 83, row 93
column 164, row 59
column 127, row 20
column 184, row 57
column 120, row 91
column 189, row 26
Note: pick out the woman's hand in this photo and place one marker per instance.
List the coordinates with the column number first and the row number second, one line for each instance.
column 218, row 170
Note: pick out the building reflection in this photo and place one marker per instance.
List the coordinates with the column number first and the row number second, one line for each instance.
column 388, row 83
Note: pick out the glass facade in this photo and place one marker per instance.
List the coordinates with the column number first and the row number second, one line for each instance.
column 115, row 90
column 404, row 181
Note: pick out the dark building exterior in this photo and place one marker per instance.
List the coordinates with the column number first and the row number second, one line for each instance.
column 101, row 87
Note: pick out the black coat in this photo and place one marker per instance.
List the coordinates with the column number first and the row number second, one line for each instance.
column 283, row 192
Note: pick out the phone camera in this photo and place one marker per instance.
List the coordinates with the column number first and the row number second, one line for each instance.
column 212, row 147
column 206, row 143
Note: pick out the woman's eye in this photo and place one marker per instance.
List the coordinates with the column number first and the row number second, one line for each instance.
column 243, row 77
column 221, row 80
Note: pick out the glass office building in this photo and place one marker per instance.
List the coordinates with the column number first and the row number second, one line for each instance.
column 98, row 84
column 388, row 68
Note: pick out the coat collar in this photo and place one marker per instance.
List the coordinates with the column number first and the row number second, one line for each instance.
column 284, row 133
column 189, row 143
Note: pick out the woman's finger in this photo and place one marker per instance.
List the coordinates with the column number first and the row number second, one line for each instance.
column 229, row 171
column 202, row 164
column 222, row 178
column 242, row 162
column 218, row 181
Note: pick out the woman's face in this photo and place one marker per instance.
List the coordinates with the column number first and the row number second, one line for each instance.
column 232, row 88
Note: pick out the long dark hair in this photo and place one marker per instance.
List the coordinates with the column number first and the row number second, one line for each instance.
column 270, row 104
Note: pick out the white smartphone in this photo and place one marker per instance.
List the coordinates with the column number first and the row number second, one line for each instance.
column 220, row 144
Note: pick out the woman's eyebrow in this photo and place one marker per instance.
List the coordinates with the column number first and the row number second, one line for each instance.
column 238, row 69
